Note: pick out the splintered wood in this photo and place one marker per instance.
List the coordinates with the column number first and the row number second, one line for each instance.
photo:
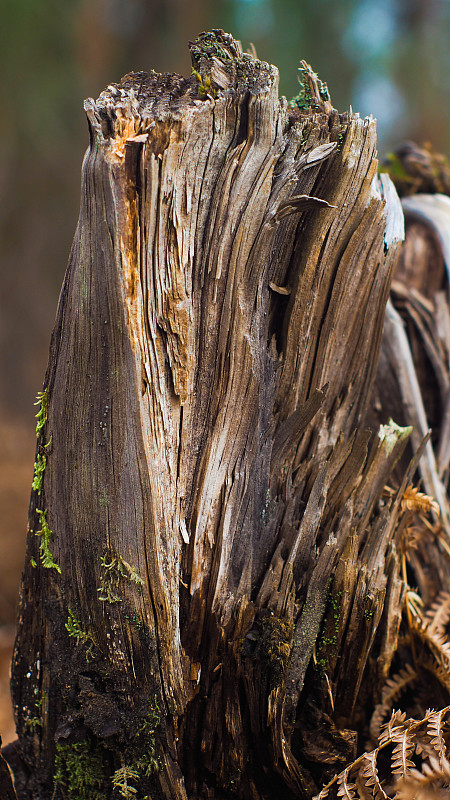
column 212, row 495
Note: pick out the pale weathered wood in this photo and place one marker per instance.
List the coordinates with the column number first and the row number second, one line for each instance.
column 212, row 494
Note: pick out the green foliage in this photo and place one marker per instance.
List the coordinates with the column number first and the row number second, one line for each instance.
column 140, row 759
column 114, row 571
column 74, row 629
column 107, row 595
column 45, row 533
column 145, row 759
column 204, row 84
column 207, row 46
column 79, row 771
column 36, row 722
column 328, row 639
column 31, row 723
column 135, row 620
column 304, row 99
column 121, row 778
column 41, row 416
column 39, row 469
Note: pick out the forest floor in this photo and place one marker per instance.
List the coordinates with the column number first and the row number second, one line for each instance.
column 16, row 473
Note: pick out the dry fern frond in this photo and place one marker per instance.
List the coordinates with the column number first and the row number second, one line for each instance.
column 420, row 503
column 437, row 616
column 397, row 722
column 408, row 782
column 401, row 762
column 438, row 644
column 346, row 789
column 414, row 603
column 430, row 784
column 412, row 537
column 370, row 775
column 440, row 672
column 435, row 732
column 393, row 688
column 322, row 795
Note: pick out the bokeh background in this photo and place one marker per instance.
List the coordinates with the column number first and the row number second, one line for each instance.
column 388, row 58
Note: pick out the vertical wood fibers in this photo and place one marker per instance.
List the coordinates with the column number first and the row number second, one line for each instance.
column 209, row 484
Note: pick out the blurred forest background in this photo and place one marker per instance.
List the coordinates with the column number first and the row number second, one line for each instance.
column 388, row 58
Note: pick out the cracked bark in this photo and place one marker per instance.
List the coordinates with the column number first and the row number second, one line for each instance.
column 210, row 486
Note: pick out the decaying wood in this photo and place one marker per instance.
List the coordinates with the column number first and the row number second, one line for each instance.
column 413, row 380
column 212, row 587
column 7, row 791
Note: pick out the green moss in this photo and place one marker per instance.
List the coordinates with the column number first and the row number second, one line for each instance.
column 74, row 629
column 204, row 84
column 39, row 469
column 140, row 759
column 41, row 416
column 146, row 760
column 36, row 721
column 103, row 501
column 304, row 100
column 32, row 723
column 207, row 46
column 79, row 772
column 327, row 642
column 123, row 779
column 45, row 533
column 115, row 570
column 135, row 620
column 341, row 138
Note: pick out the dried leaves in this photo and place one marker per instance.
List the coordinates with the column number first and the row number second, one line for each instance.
column 420, row 503
column 418, row 766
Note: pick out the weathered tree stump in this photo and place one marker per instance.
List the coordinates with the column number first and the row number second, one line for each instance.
column 212, row 591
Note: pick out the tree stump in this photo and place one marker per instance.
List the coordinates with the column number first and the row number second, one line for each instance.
column 212, row 590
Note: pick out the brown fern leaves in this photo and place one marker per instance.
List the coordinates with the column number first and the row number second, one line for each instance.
column 418, row 768
column 418, row 502
column 393, row 688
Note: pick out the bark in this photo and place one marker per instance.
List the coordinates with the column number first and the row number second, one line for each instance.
column 212, row 590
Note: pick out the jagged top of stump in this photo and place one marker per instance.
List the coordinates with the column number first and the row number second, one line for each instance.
column 220, row 70
column 218, row 66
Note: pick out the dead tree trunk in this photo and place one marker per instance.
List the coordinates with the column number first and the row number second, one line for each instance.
column 212, row 591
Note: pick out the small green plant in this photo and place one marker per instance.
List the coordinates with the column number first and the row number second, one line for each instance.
column 79, row 771
column 39, row 469
column 204, row 84
column 107, row 595
column 121, row 781
column 31, row 723
column 74, row 629
column 140, row 759
column 41, row 416
column 304, row 99
column 135, row 620
column 116, row 569
column 341, row 137
column 45, row 533
column 149, row 762
column 36, row 722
